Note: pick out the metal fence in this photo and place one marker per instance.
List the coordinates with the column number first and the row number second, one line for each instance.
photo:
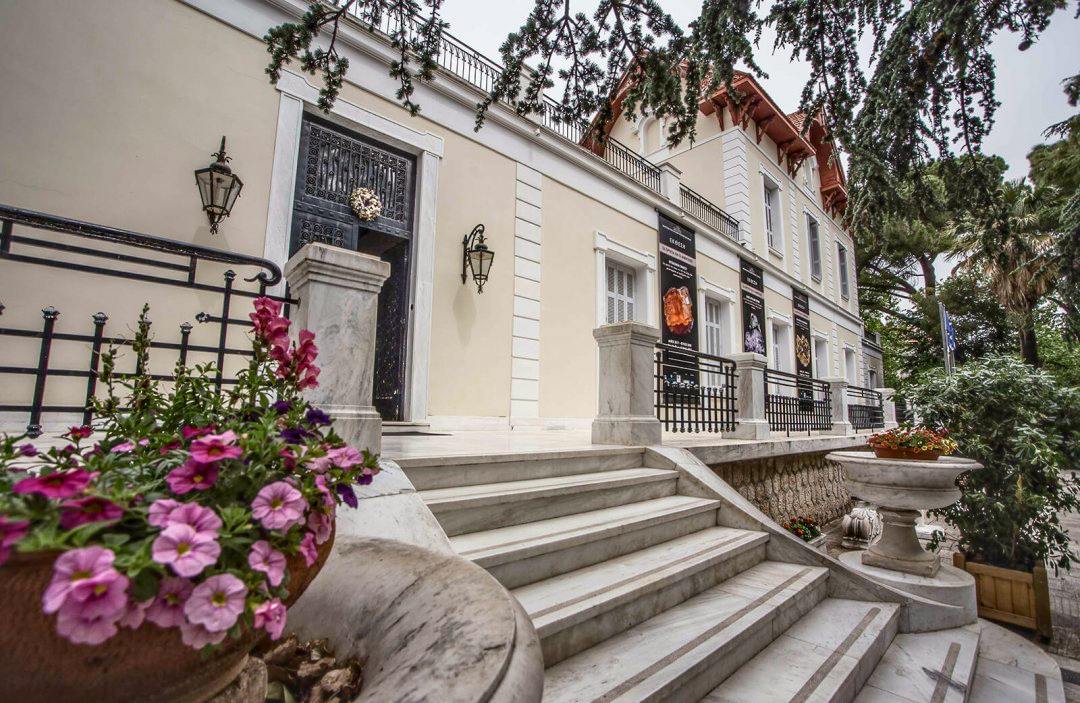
column 866, row 411
column 695, row 392
column 794, row 404
column 478, row 71
column 701, row 208
column 36, row 239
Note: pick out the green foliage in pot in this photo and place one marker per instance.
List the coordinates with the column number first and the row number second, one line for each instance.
column 1024, row 428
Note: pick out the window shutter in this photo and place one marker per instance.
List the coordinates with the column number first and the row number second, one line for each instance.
column 620, row 294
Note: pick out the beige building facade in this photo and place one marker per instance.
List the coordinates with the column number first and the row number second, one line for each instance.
column 123, row 99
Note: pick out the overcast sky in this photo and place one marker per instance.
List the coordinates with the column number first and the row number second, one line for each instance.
column 1029, row 83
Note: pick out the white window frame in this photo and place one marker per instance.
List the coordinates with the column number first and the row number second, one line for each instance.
column 780, row 331
column 851, row 372
column 711, row 291
column 813, row 247
column 821, row 360
column 843, row 270
column 643, row 264
column 774, row 240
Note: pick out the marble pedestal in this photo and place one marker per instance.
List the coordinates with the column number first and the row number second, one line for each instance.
column 899, row 547
column 949, row 585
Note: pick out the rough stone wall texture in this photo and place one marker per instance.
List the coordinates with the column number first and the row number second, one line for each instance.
column 783, row 487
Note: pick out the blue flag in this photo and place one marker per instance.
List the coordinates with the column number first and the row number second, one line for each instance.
column 950, row 333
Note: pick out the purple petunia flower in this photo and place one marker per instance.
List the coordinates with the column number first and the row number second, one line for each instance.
column 348, row 495
column 281, row 406
column 294, row 435
column 317, row 417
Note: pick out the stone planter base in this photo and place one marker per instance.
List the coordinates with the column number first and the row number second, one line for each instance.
column 950, row 586
column 818, row 543
column 899, row 547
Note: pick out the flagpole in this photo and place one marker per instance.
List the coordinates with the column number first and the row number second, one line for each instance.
column 944, row 337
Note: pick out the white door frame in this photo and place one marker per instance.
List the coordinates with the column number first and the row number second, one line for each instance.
column 297, row 95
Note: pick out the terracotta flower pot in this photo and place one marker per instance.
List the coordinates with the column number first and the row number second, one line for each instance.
column 906, row 454
column 142, row 665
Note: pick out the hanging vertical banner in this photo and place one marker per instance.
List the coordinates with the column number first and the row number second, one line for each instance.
column 752, row 291
column 800, row 306
column 678, row 293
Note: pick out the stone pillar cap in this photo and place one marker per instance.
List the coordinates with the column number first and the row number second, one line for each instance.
column 630, row 328
column 749, row 359
column 336, row 266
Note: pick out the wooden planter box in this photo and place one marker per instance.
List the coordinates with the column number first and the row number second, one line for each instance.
column 1015, row 597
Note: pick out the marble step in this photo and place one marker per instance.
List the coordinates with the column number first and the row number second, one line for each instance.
column 427, row 473
column 925, row 666
column 686, row 651
column 574, row 611
column 521, row 554
column 825, row 657
column 486, row 506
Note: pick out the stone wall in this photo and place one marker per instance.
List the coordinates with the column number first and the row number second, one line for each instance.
column 794, row 484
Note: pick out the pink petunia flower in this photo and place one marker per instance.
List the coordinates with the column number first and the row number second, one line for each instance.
column 268, row 560
column 11, row 531
column 167, row 610
column 308, row 549
column 192, row 476
column 76, row 625
column 160, row 511
column 59, row 484
column 217, row 602
column 197, row 636
column 201, row 518
column 188, row 552
column 270, row 616
column 135, row 614
column 83, row 511
column 320, row 524
column 79, row 432
column 123, row 447
column 216, row 447
column 189, row 432
column 77, row 574
column 278, row 506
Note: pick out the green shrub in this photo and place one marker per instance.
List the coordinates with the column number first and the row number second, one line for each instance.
column 1024, row 428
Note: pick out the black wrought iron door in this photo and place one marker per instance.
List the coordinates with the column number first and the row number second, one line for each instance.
column 332, row 163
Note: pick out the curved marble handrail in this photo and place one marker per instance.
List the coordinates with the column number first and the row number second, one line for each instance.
column 426, row 626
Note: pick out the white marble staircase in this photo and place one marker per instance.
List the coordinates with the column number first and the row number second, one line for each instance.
column 638, row 594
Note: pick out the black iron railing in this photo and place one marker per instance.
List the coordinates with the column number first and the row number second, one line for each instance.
column 866, row 411
column 480, row 72
column 33, row 238
column 695, row 392
column 701, row 208
column 794, row 404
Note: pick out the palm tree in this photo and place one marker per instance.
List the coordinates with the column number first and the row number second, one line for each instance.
column 1010, row 249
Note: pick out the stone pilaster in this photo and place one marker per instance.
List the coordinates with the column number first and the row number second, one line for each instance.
column 626, row 413
column 750, row 421
column 671, row 183
column 888, row 404
column 839, row 401
column 338, row 291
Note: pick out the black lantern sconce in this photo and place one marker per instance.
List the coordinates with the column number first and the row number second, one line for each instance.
column 476, row 257
column 219, row 188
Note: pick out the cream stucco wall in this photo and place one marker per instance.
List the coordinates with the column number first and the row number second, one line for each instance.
column 568, row 295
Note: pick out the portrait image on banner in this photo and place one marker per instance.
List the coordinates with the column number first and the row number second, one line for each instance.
column 752, row 292
column 800, row 305
column 678, row 296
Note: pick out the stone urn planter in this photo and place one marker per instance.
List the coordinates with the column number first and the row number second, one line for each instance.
column 901, row 487
column 147, row 664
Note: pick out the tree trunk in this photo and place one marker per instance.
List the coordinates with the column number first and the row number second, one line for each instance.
column 1029, row 345
column 929, row 275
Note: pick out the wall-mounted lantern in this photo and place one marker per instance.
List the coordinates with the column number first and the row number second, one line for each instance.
column 476, row 257
column 219, row 188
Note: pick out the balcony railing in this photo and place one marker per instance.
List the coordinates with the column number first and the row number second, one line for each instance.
column 695, row 392
column 475, row 69
column 698, row 206
column 36, row 239
column 866, row 410
column 794, row 404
